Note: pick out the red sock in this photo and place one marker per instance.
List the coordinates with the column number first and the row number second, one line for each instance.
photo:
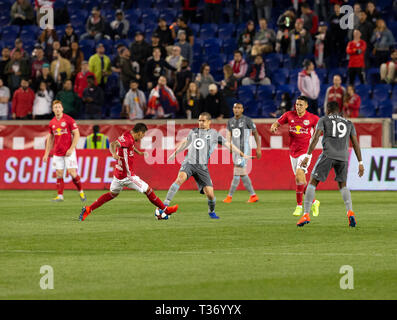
column 154, row 199
column 60, row 186
column 299, row 193
column 101, row 200
column 77, row 183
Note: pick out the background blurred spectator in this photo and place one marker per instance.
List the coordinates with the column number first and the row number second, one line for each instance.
column 186, row 48
column 310, row 19
column 100, row 65
column 129, row 69
column 338, row 37
column 335, row 93
column 204, row 79
column 246, row 38
column 96, row 140
column 229, row 86
column 37, row 63
column 22, row 102
column 309, row 85
column 256, row 73
column 372, row 12
column 5, row 58
column 76, row 57
column 239, row 65
column 356, row 50
column 192, row 101
column 119, row 26
column 212, row 11
column 214, row 103
column 42, row 102
column 189, row 10
column 284, row 106
column 300, row 44
column 388, row 72
column 285, row 23
column 60, row 68
column 181, row 25
column 264, row 40
column 263, row 9
column 156, row 67
column 46, row 39
column 351, row 103
column 93, row 98
column 156, row 44
column 46, row 77
column 134, row 102
column 382, row 40
column 95, row 25
column 183, row 77
column 322, row 46
column 164, row 33
column 140, row 49
column 4, row 98
column 81, row 79
column 68, row 38
column 70, row 100
column 16, row 70
column 162, row 101
column 22, row 13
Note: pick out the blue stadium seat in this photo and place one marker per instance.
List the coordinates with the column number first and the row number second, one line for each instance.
column 195, row 28
column 224, row 33
column 88, row 47
column 212, row 46
column 150, row 16
column 133, row 17
column 4, row 20
column 381, row 92
column 144, row 4
column 364, row 91
column 340, row 71
column 275, row 58
column 167, row 15
column 265, row 92
column 208, row 30
column 322, row 75
column 385, row 109
column 252, row 109
column 280, row 76
column 267, row 107
column 285, row 88
column 89, row 4
column 229, row 46
column 367, row 109
column 373, row 76
column 160, row 4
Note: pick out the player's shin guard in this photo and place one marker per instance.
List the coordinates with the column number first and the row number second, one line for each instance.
column 77, row 183
column 347, row 198
column 60, row 186
column 154, row 199
column 234, row 185
column 248, row 184
column 171, row 193
column 211, row 205
column 101, row 200
column 309, row 196
column 299, row 193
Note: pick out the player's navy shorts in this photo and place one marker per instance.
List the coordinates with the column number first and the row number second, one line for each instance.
column 200, row 173
column 324, row 165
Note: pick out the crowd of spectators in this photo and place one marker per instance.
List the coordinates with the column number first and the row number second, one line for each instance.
column 158, row 76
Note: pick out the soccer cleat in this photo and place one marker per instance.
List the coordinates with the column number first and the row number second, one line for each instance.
column 213, row 215
column 352, row 219
column 304, row 220
column 171, row 210
column 253, row 198
column 57, row 199
column 316, row 208
column 228, row 199
column 298, row 211
column 83, row 198
column 84, row 213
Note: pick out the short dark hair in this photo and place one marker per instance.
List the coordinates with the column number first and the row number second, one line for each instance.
column 238, row 51
column 303, row 98
column 91, row 77
column 305, row 5
column 140, row 127
column 205, row 114
column 333, row 107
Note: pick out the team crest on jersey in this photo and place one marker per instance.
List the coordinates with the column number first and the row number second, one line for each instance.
column 208, row 136
column 306, row 122
column 240, row 124
column 121, row 138
column 236, row 133
column 53, row 126
column 63, row 124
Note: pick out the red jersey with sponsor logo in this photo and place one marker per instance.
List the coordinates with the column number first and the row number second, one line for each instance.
column 124, row 166
column 62, row 131
column 300, row 131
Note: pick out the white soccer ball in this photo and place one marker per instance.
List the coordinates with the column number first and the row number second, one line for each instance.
column 160, row 214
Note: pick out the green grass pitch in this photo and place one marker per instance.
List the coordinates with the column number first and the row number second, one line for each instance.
column 255, row 251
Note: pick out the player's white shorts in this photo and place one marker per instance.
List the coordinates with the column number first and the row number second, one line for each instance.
column 296, row 163
column 70, row 162
column 133, row 182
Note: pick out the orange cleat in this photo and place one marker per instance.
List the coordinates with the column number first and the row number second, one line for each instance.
column 352, row 219
column 84, row 213
column 304, row 220
column 253, row 198
column 171, row 210
column 228, row 199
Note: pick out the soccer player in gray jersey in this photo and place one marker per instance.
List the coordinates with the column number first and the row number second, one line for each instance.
column 337, row 132
column 239, row 131
column 201, row 142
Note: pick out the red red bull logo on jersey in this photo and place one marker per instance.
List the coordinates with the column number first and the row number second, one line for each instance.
column 298, row 130
column 59, row 131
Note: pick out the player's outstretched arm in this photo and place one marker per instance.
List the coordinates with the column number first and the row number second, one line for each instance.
column 139, row 152
column 113, row 148
column 275, row 127
column 48, row 146
column 258, row 144
column 357, row 151
column 233, row 148
column 76, row 137
column 313, row 143
column 180, row 147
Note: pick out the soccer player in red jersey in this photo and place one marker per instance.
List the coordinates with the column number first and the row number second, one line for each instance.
column 64, row 135
column 300, row 124
column 123, row 150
